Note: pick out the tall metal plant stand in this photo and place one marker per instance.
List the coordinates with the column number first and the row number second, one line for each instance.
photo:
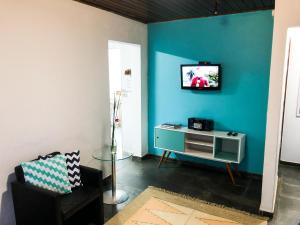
column 113, row 196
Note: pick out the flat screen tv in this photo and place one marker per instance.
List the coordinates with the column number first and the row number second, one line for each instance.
column 201, row 77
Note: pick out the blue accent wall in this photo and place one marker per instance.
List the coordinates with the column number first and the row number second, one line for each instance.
column 242, row 44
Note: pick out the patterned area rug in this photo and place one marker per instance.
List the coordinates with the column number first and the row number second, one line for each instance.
column 159, row 207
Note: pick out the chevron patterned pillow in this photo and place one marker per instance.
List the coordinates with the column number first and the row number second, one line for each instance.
column 50, row 174
column 50, row 155
column 73, row 165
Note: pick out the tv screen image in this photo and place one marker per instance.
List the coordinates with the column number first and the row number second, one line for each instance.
column 200, row 77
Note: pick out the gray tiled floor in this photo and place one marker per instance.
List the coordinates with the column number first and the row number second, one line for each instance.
column 135, row 176
column 287, row 210
column 210, row 185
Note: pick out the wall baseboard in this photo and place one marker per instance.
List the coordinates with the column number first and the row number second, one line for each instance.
column 289, row 163
column 137, row 158
column 266, row 214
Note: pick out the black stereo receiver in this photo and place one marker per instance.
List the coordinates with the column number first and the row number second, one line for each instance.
column 200, row 124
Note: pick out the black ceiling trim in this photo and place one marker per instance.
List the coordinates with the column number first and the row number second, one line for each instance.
column 150, row 11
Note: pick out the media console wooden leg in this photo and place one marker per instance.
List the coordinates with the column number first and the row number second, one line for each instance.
column 228, row 168
column 236, row 170
column 167, row 157
column 162, row 158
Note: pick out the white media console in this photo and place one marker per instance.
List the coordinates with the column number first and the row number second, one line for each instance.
column 210, row 145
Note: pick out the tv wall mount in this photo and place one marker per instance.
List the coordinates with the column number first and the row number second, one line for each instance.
column 204, row 63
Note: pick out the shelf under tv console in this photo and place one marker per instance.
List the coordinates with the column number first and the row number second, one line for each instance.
column 210, row 145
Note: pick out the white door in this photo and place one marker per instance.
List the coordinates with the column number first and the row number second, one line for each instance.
column 290, row 151
column 125, row 76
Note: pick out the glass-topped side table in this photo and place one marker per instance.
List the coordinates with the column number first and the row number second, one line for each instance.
column 113, row 196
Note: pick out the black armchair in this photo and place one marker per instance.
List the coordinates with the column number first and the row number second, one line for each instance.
column 37, row 206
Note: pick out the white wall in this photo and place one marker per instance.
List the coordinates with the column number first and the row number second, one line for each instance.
column 291, row 123
column 54, row 80
column 286, row 15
